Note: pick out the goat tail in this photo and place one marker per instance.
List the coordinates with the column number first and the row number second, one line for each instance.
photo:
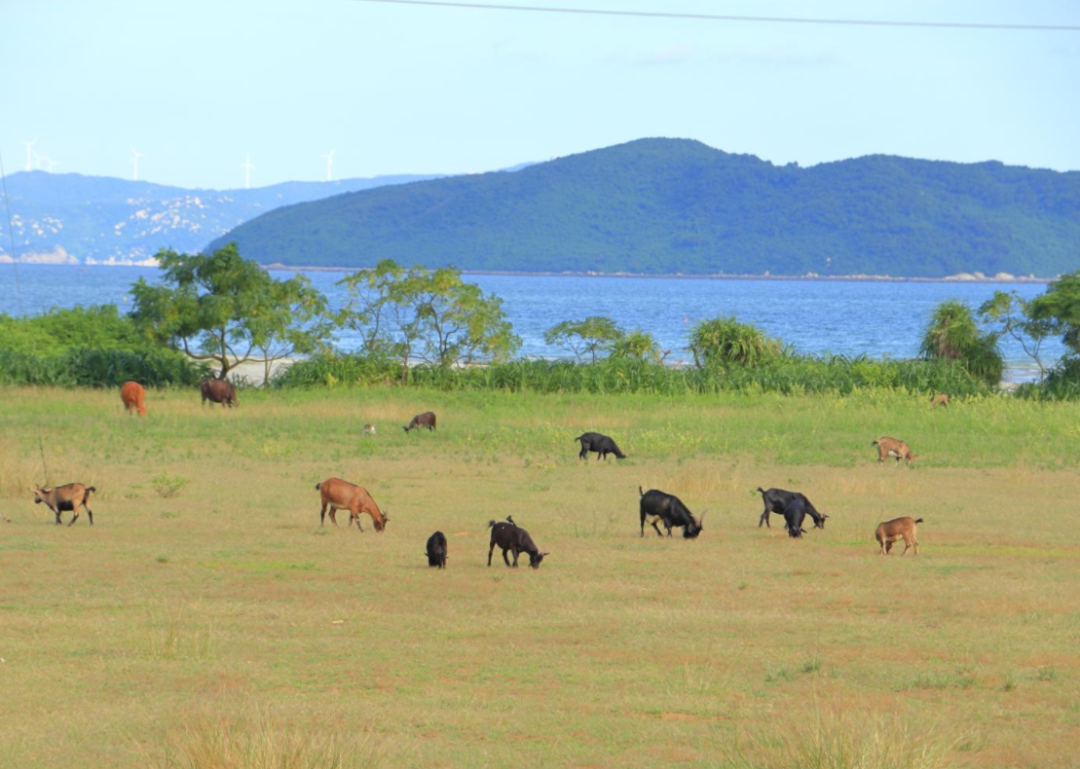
column 491, row 524
column 318, row 487
column 640, row 491
column 91, row 488
column 918, row 520
column 873, row 443
column 760, row 490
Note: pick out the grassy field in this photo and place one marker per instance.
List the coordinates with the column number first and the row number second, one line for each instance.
column 207, row 621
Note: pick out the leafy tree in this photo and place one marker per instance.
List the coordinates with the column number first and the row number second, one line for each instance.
column 220, row 307
column 431, row 315
column 954, row 334
column 640, row 345
column 1059, row 309
column 369, row 312
column 725, row 341
column 591, row 336
column 1012, row 314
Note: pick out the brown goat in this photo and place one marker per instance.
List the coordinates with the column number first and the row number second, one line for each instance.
column 133, row 395
column 898, row 528
column 941, row 399
column 427, row 419
column 890, row 447
column 70, row 496
column 341, row 494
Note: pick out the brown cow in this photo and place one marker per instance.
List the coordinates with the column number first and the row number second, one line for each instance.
column 341, row 494
column 133, row 395
column 898, row 528
column 70, row 496
column 427, row 419
column 941, row 399
column 219, row 391
column 890, row 447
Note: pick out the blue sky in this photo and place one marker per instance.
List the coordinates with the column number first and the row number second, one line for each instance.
column 196, row 85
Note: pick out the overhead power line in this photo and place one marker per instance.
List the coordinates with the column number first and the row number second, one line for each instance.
column 727, row 17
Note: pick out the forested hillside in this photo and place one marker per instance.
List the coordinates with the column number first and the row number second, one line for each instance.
column 661, row 206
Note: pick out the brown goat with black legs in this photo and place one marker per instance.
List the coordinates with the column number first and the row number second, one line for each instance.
column 896, row 529
column 427, row 419
column 337, row 493
column 70, row 496
column 891, row 447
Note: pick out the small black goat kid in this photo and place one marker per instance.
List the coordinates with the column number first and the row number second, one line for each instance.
column 436, row 550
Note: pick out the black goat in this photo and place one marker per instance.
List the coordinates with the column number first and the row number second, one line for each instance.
column 657, row 506
column 777, row 500
column 510, row 537
column 601, row 444
column 794, row 515
column 436, row 550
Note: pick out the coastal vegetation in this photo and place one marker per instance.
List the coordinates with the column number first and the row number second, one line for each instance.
column 429, row 328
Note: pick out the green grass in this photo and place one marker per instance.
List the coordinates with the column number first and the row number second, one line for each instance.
column 221, row 627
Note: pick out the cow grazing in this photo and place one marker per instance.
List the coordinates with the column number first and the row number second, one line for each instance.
column 219, row 391
column 601, row 444
column 777, row 500
column 510, row 537
column 70, row 496
column 133, row 395
column 890, row 447
column 941, row 399
column 369, row 429
column 436, row 550
column 898, row 528
column 337, row 493
column 657, row 506
column 427, row 419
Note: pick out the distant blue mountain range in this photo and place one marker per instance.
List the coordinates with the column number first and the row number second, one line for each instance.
column 93, row 219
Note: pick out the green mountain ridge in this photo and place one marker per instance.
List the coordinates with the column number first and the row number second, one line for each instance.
column 677, row 206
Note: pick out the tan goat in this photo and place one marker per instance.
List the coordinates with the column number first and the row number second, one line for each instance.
column 890, row 447
column 337, row 493
column 71, row 497
column 941, row 399
column 898, row 528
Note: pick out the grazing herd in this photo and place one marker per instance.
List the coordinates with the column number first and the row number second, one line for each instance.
column 655, row 507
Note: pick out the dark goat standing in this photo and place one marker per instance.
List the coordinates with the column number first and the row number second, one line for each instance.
column 794, row 515
column 427, row 419
column 601, row 444
column 219, row 391
column 657, row 506
column 436, row 550
column 777, row 501
column 511, row 538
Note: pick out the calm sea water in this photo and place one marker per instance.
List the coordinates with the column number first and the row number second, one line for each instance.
column 841, row 317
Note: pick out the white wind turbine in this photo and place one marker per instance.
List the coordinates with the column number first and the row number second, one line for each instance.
column 29, row 159
column 329, row 165
column 52, row 163
column 135, row 155
column 247, row 166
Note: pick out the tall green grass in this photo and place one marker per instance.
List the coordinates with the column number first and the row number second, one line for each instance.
column 87, row 367
column 789, row 375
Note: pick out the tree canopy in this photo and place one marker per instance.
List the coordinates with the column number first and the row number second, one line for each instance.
column 220, row 307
